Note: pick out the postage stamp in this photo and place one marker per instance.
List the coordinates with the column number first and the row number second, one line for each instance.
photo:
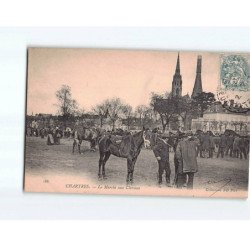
column 234, row 85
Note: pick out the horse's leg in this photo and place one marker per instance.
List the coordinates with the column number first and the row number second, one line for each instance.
column 132, row 170
column 100, row 165
column 92, row 145
column 74, row 144
column 107, row 155
column 79, row 146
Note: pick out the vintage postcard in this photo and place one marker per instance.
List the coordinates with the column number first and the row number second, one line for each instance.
column 137, row 122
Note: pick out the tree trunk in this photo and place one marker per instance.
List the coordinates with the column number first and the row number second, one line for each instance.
column 164, row 124
column 164, row 127
column 64, row 122
column 101, row 122
column 113, row 125
column 202, row 111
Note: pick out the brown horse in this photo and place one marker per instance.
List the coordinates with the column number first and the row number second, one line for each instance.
column 128, row 146
column 85, row 134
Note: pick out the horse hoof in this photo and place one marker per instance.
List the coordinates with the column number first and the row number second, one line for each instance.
column 104, row 177
column 99, row 178
column 128, row 183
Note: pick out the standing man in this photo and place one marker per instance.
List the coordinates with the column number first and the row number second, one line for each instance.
column 206, row 145
column 242, row 148
column 236, row 148
column 186, row 154
column 161, row 152
column 230, row 142
column 212, row 146
column 50, row 138
column 199, row 148
column 222, row 145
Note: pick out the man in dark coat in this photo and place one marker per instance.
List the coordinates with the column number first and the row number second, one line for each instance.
column 212, row 146
column 161, row 151
column 206, row 145
column 186, row 154
column 236, row 148
column 222, row 145
column 242, row 147
column 230, row 142
column 199, row 148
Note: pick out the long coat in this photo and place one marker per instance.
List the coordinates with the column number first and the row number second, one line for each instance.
column 186, row 156
column 212, row 144
column 206, row 142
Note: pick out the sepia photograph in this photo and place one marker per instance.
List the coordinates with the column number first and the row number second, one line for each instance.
column 119, row 117
column 137, row 122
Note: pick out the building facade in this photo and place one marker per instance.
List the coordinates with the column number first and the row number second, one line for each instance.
column 217, row 119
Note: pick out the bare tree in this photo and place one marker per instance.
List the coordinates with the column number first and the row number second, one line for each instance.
column 67, row 106
column 165, row 107
column 127, row 110
column 115, row 110
column 142, row 111
column 102, row 111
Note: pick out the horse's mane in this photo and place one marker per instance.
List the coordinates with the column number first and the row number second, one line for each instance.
column 138, row 135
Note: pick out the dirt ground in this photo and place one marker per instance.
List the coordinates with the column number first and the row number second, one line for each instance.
column 56, row 160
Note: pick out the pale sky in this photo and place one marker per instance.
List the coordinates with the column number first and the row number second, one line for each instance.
column 97, row 74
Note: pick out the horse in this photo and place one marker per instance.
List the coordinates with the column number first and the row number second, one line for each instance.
column 128, row 146
column 85, row 134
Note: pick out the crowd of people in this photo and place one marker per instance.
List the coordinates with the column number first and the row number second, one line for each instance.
column 188, row 146
column 53, row 134
column 227, row 144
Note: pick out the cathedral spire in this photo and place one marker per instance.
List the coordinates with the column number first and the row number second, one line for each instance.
column 198, row 83
column 177, row 70
column 177, row 80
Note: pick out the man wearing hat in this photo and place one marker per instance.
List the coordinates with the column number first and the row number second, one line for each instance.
column 186, row 155
column 161, row 152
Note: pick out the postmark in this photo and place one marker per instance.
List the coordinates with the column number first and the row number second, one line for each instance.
column 233, row 90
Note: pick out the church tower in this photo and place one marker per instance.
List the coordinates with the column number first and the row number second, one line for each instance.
column 177, row 80
column 198, row 83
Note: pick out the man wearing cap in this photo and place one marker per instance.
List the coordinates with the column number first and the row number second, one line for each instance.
column 161, row 152
column 186, row 154
column 206, row 145
column 222, row 145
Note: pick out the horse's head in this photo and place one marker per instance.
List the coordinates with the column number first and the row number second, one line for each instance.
column 94, row 133
column 138, row 138
column 147, row 135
